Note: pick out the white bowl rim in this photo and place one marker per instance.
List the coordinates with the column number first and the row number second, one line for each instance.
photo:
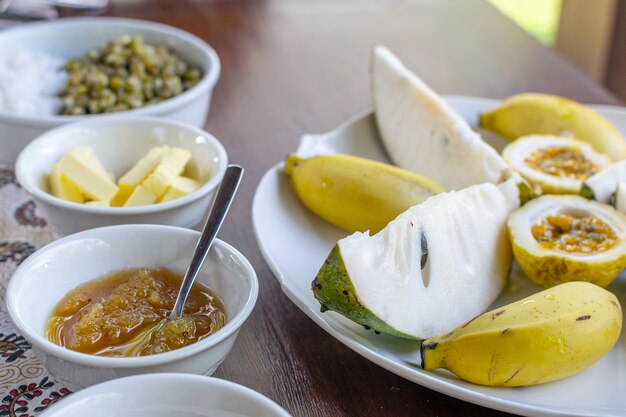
column 21, row 167
column 232, row 325
column 170, row 379
column 207, row 82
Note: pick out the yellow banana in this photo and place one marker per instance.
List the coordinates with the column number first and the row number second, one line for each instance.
column 533, row 113
column 547, row 336
column 356, row 194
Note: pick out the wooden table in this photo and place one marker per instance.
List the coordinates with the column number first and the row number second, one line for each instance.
column 296, row 66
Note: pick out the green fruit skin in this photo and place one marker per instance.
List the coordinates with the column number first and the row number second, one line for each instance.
column 525, row 193
column 551, row 270
column 333, row 288
column 587, row 192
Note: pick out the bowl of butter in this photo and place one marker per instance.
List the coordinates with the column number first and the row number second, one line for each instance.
column 122, row 170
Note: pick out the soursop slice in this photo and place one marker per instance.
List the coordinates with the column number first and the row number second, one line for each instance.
column 434, row 267
column 603, row 185
column 423, row 134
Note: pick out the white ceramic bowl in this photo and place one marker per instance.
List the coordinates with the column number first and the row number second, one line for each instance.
column 51, row 272
column 165, row 395
column 72, row 37
column 119, row 142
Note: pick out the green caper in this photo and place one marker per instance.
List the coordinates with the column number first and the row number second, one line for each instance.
column 124, row 74
column 116, row 82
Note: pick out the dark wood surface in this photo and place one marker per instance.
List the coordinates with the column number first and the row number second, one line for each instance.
column 296, row 66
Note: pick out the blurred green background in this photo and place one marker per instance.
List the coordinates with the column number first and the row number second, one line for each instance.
column 540, row 18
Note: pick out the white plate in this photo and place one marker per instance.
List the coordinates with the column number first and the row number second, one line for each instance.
column 295, row 243
column 165, row 395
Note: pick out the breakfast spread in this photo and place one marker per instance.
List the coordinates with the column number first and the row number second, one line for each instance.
column 438, row 226
column 79, row 177
column 123, row 314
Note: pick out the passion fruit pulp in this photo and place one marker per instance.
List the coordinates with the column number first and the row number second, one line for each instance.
column 558, row 239
column 555, row 165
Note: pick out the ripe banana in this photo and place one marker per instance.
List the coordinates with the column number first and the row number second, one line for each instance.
column 532, row 113
column 547, row 336
column 356, row 194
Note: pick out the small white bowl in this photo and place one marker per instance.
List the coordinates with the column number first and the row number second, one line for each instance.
column 119, row 142
column 72, row 37
column 167, row 395
column 47, row 275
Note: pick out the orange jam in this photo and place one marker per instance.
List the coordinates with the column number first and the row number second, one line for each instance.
column 562, row 162
column 123, row 314
column 574, row 235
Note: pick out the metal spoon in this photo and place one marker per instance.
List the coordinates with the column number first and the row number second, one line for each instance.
column 221, row 204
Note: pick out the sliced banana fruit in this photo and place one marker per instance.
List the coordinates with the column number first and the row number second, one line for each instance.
column 554, row 164
column 559, row 239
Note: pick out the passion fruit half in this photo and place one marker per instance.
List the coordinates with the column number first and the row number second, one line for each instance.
column 554, row 164
column 558, row 239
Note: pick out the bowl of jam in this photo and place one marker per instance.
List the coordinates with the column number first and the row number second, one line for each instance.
column 94, row 304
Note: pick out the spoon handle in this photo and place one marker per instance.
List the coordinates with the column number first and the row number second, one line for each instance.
column 221, row 204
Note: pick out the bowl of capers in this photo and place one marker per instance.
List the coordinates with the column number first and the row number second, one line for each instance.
column 61, row 71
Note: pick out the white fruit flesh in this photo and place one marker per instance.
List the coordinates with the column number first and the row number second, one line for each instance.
column 423, row 134
column 522, row 153
column 469, row 258
column 604, row 183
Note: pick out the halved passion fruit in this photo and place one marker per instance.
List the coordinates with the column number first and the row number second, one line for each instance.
column 555, row 164
column 558, row 239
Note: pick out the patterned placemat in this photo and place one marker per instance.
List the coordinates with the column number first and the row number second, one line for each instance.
column 26, row 387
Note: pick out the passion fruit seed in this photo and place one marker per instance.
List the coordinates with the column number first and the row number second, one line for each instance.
column 563, row 162
column 585, row 235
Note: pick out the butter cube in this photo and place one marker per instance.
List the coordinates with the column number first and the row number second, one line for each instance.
column 140, row 197
column 139, row 172
column 82, row 167
column 171, row 166
column 89, row 157
column 180, row 187
column 62, row 187
column 98, row 204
